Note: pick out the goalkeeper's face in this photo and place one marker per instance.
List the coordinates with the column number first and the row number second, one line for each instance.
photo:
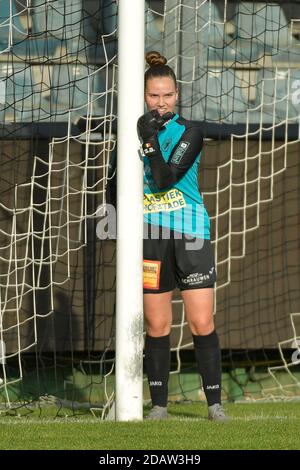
column 161, row 94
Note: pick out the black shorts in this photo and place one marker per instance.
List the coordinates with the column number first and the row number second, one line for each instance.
column 178, row 261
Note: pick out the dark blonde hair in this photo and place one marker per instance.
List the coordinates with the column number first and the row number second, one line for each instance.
column 158, row 68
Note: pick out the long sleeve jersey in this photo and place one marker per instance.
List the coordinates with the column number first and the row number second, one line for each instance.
column 171, row 194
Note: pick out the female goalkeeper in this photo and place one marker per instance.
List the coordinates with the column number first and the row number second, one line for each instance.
column 177, row 249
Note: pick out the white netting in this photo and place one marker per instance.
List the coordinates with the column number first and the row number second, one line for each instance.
column 57, row 64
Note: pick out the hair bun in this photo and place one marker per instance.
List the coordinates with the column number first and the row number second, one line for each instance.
column 154, row 58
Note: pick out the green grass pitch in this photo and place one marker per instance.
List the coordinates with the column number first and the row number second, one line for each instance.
column 252, row 426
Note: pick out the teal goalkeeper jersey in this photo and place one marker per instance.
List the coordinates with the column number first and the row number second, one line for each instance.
column 180, row 206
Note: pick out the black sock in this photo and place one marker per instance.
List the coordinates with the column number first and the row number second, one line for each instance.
column 157, row 361
column 208, row 358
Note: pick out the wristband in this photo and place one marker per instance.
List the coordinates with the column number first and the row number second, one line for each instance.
column 151, row 146
column 148, row 149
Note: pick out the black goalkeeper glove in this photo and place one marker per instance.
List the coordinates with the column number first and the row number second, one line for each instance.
column 148, row 126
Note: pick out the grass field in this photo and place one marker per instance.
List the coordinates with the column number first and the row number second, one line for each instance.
column 252, row 426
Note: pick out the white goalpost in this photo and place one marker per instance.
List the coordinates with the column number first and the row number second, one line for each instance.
column 129, row 303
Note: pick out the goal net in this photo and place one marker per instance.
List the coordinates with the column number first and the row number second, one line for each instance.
column 238, row 68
